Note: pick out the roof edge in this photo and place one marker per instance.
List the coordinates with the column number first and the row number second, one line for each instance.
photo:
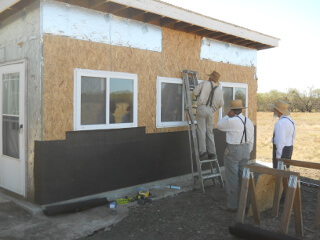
column 180, row 14
column 4, row 5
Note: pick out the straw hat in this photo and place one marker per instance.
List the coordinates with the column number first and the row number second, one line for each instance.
column 214, row 76
column 282, row 107
column 236, row 104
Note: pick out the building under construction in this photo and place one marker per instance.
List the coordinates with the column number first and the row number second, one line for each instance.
column 92, row 97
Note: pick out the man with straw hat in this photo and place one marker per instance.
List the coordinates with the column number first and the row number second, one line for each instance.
column 284, row 132
column 209, row 99
column 240, row 137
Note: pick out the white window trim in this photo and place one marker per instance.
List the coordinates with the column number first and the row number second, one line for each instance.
column 159, row 123
column 235, row 85
column 78, row 73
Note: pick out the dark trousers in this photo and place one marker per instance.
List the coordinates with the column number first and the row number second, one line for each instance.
column 286, row 153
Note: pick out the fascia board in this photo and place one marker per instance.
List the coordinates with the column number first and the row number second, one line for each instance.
column 193, row 18
column 5, row 4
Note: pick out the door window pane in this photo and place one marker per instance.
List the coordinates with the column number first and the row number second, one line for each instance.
column 171, row 102
column 10, row 93
column 10, row 136
column 93, row 100
column 227, row 97
column 121, row 100
column 10, row 114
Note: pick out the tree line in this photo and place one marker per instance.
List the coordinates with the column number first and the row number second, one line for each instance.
column 299, row 101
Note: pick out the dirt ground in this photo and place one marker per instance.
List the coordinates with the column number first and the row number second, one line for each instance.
column 194, row 215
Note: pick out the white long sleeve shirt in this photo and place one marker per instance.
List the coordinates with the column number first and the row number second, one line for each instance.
column 284, row 134
column 234, row 128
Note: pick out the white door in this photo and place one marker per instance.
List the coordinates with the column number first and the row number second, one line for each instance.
column 12, row 132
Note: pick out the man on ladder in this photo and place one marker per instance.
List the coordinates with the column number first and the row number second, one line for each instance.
column 209, row 99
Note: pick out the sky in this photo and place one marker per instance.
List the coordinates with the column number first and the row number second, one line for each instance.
column 295, row 63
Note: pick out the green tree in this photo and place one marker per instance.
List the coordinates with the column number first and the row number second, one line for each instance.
column 266, row 99
column 305, row 101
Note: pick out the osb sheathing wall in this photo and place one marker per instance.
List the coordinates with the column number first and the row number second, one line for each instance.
column 179, row 51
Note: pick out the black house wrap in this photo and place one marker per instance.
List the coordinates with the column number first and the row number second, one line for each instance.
column 91, row 162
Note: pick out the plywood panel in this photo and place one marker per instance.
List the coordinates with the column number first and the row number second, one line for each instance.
column 180, row 51
column 264, row 193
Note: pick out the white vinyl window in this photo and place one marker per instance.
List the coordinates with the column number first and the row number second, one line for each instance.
column 233, row 91
column 170, row 103
column 104, row 100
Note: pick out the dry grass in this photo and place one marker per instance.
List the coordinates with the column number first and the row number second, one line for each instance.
column 307, row 143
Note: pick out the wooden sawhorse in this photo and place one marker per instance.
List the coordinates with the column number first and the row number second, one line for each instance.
column 279, row 186
column 292, row 200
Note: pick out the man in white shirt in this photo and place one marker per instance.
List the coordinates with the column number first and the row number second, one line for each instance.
column 240, row 138
column 209, row 99
column 284, row 132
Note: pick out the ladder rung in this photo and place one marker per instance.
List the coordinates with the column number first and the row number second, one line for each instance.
column 208, row 160
column 210, row 175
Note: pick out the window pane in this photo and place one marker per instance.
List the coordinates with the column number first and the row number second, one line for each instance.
column 10, row 136
column 10, row 94
column 240, row 93
column 227, row 97
column 10, row 106
column 171, row 102
column 194, row 107
column 93, row 100
column 121, row 100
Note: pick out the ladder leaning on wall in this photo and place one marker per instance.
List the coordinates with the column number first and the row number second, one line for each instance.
column 190, row 81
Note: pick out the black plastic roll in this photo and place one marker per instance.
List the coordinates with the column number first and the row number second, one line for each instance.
column 74, row 207
column 249, row 232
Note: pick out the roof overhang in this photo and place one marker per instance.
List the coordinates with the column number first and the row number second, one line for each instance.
column 165, row 15
column 7, row 4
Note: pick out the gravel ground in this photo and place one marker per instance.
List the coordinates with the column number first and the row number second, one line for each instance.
column 194, row 215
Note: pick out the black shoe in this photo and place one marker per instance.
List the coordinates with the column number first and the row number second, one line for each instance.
column 203, row 156
column 212, row 156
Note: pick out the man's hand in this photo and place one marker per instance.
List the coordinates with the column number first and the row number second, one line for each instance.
column 231, row 113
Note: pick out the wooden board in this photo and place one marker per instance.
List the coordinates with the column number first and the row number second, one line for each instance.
column 264, row 193
column 303, row 164
column 271, row 171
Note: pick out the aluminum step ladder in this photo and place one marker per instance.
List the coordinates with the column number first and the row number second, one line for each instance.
column 190, row 81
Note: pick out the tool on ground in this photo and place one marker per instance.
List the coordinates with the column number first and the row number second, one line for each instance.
column 124, row 200
column 143, row 196
column 190, row 81
column 173, row 187
column 112, row 205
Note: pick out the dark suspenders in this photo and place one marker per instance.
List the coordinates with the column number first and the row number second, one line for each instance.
column 244, row 134
column 210, row 99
